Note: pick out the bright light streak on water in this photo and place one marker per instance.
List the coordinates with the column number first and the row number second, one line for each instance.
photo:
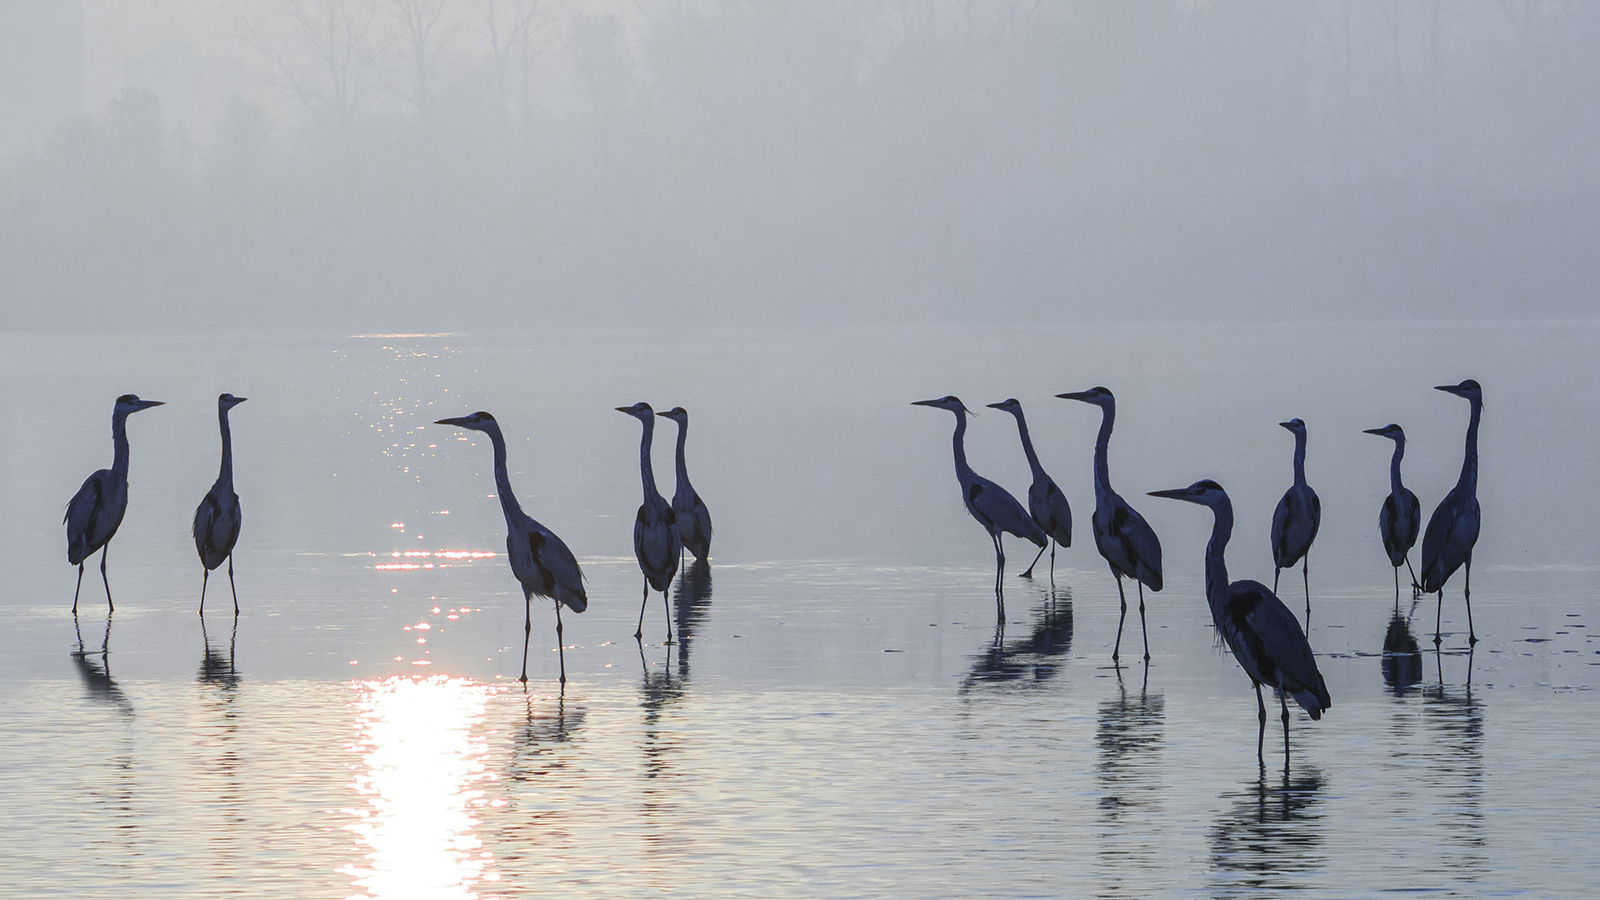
column 422, row 759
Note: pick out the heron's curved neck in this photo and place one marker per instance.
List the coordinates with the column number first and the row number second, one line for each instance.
column 683, row 468
column 1394, row 463
column 646, row 473
column 959, row 441
column 1300, row 457
column 1469, row 461
column 1216, row 566
column 119, row 444
column 1027, row 447
column 225, row 476
column 1102, row 469
column 502, row 478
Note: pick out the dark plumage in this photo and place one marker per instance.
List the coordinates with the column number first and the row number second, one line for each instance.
column 656, row 542
column 539, row 559
column 218, row 517
column 1126, row 541
column 1453, row 528
column 1262, row 633
column 95, row 512
column 1401, row 516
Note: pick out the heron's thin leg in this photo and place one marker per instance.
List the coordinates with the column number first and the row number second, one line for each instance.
column 1396, row 587
column 1438, row 614
column 1275, row 572
column 1117, row 648
column 561, row 647
column 638, row 633
column 1285, row 703
column 1414, row 586
column 77, row 591
column 231, row 585
column 1472, row 636
column 1261, row 732
column 104, row 578
column 204, row 580
column 667, row 605
column 1142, row 627
column 1305, row 573
column 1052, row 561
column 1028, row 573
column 527, row 632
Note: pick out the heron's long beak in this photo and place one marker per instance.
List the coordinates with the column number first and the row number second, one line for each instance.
column 1000, row 405
column 1075, row 395
column 459, row 422
column 1175, row 494
column 1381, row 432
column 925, row 403
column 1288, row 425
column 625, row 409
column 1448, row 388
column 146, row 404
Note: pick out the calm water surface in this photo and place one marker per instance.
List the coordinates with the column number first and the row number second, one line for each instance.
column 842, row 716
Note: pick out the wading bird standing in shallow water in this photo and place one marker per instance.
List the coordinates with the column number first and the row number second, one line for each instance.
column 1121, row 535
column 1046, row 503
column 217, row 519
column 1258, row 628
column 1295, row 521
column 96, row 510
column 1453, row 528
column 655, row 529
column 1401, row 516
column 995, row 509
column 693, row 519
column 539, row 559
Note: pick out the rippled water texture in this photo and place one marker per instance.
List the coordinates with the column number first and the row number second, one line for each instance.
column 842, row 715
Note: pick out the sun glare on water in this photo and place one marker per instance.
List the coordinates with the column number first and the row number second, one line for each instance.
column 421, row 762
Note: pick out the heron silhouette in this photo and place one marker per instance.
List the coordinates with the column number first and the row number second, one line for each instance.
column 1046, row 503
column 1453, row 527
column 1122, row 536
column 656, row 542
column 96, row 510
column 217, row 518
column 1401, row 516
column 1262, row 633
column 1295, row 521
column 995, row 509
column 694, row 520
column 540, row 561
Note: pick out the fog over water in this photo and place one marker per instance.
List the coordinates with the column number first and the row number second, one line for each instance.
column 476, row 164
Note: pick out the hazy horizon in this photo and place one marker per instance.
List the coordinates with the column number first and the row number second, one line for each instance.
column 451, row 165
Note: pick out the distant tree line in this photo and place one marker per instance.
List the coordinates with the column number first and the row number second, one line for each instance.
column 532, row 163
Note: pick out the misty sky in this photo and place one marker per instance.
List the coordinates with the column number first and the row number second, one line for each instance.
column 451, row 164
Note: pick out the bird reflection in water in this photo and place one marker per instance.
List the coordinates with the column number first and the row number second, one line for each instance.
column 216, row 669
column 96, row 675
column 659, row 691
column 1129, row 734
column 1028, row 661
column 1270, row 837
column 1453, row 770
column 692, row 604
column 1402, row 659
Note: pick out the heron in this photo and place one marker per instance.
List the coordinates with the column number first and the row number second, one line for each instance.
column 1121, row 535
column 995, row 509
column 1453, row 528
column 539, row 559
column 1046, row 503
column 656, row 542
column 96, row 510
column 217, row 519
column 694, row 520
column 1295, row 521
column 1262, row 633
column 1401, row 516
